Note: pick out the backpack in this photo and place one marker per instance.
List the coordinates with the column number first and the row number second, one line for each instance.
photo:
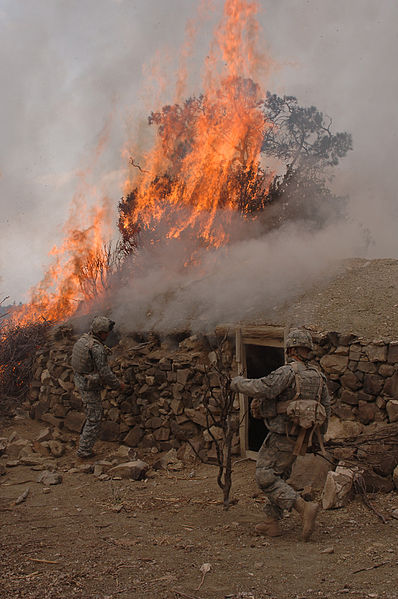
column 307, row 415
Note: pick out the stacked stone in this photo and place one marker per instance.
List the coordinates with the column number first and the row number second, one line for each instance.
column 167, row 382
column 162, row 407
column 363, row 381
column 362, row 375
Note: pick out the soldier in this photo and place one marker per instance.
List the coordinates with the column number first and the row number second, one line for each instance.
column 92, row 373
column 281, row 399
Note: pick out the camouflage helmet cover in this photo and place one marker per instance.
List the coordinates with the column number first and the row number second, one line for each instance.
column 299, row 338
column 101, row 324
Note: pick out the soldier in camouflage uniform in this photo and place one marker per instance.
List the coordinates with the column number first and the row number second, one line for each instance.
column 275, row 458
column 92, row 373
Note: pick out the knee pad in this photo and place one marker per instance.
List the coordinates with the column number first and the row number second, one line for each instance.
column 265, row 477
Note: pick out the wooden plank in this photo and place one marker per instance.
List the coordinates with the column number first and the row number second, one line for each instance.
column 254, row 331
column 263, row 342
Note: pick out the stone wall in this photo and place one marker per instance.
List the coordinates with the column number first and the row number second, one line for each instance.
column 164, row 405
column 362, row 378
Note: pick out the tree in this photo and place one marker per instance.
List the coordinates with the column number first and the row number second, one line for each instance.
column 301, row 139
column 289, row 180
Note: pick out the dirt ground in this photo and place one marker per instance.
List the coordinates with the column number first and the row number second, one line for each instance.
column 122, row 539
column 345, row 298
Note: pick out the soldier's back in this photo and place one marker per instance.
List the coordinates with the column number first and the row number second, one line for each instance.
column 82, row 361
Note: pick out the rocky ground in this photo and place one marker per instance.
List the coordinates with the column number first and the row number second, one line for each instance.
column 96, row 536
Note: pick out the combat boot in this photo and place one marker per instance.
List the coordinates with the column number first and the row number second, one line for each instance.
column 308, row 511
column 269, row 527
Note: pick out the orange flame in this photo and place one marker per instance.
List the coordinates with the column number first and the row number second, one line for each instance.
column 187, row 186
column 188, row 173
column 60, row 292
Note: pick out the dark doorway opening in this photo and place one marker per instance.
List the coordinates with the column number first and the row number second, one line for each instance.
column 260, row 361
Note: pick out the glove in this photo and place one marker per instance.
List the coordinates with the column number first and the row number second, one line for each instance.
column 235, row 382
column 255, row 408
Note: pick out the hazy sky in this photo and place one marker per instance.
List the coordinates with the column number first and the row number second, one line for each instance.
column 68, row 67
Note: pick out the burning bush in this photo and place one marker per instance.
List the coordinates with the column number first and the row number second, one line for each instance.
column 18, row 346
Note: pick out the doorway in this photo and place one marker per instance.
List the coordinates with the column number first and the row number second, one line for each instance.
column 260, row 361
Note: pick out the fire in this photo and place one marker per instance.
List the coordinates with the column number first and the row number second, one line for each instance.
column 205, row 158
column 69, row 281
column 208, row 148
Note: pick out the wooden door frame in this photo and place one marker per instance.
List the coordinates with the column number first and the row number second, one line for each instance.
column 263, row 335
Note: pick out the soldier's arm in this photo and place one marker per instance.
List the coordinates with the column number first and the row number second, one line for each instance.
column 101, row 362
column 267, row 387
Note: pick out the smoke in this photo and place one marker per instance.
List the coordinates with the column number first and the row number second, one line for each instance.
column 249, row 279
column 67, row 66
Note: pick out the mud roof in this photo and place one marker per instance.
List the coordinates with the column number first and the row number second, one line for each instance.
column 360, row 297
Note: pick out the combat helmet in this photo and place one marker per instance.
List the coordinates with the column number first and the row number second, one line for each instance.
column 101, row 324
column 299, row 338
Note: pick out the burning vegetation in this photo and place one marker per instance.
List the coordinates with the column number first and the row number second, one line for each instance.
column 233, row 152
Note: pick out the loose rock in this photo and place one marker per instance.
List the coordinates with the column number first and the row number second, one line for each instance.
column 49, row 478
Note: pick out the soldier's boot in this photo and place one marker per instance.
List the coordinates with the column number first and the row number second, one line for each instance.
column 308, row 511
column 269, row 527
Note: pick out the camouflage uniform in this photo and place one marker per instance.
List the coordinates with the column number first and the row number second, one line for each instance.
column 275, row 458
column 92, row 373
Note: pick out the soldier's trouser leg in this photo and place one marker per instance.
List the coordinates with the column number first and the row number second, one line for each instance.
column 91, row 428
column 274, row 462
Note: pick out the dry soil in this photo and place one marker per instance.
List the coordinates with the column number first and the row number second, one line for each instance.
column 121, row 539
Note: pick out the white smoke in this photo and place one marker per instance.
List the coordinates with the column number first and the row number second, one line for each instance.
column 247, row 280
column 66, row 66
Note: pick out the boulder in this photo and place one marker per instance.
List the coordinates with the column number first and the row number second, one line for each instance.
column 392, row 410
column 56, row 448
column 376, row 353
column 349, row 397
column 183, row 376
column 386, row 370
column 41, row 448
column 134, row 436
column 391, row 386
column 366, row 412
column 15, row 448
column 392, row 356
column 373, row 384
column 74, row 421
column 110, row 431
column 309, row 471
column 161, row 434
column 51, row 419
column 342, row 429
column 135, row 470
column 375, row 483
column 197, row 416
column 44, row 435
column 49, row 478
column 366, row 366
column 334, row 364
column 338, row 489
column 382, row 458
column 350, row 380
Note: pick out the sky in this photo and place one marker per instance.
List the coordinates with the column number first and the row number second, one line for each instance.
column 72, row 69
